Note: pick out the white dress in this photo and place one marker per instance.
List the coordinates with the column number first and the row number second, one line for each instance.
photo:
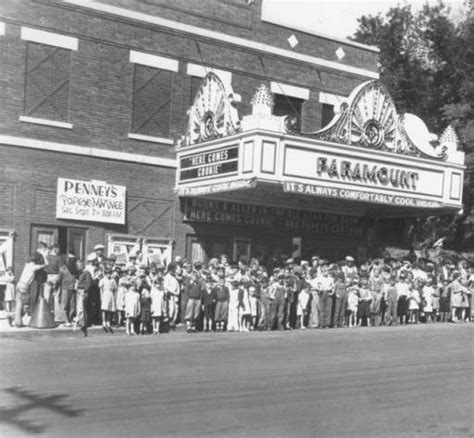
column 132, row 304
column 108, row 289
column 428, row 297
column 158, row 304
column 246, row 309
column 121, row 291
column 9, row 288
column 233, row 316
column 303, row 301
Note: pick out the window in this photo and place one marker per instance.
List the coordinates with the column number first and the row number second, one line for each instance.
column 288, row 106
column 47, row 81
column 6, row 252
column 68, row 238
column 195, row 84
column 327, row 114
column 147, row 251
column 152, row 93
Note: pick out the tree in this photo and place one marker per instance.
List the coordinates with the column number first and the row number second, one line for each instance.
column 427, row 64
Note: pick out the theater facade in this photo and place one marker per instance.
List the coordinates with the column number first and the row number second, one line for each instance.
column 255, row 186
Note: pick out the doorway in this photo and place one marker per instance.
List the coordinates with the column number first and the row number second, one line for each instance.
column 66, row 237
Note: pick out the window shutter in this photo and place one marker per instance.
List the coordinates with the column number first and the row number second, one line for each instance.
column 152, row 92
column 47, row 79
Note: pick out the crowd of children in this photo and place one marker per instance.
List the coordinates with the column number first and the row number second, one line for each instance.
column 221, row 296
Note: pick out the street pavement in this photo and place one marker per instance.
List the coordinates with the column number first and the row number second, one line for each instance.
column 415, row 381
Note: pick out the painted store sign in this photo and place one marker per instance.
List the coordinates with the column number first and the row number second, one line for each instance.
column 94, row 201
column 233, row 213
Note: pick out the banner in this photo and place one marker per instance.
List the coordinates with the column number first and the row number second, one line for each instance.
column 217, row 187
column 94, row 201
column 358, row 195
column 209, row 164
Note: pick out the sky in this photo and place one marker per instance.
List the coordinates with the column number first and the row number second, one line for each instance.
column 337, row 18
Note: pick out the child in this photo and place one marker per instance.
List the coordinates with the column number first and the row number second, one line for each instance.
column 303, row 302
column 9, row 290
column 158, row 303
column 244, row 308
column 414, row 302
column 253, row 298
column 444, row 299
column 207, row 302
column 145, row 310
column 233, row 318
column 428, row 293
column 221, row 300
column 353, row 303
column 123, row 284
column 391, row 299
column 132, row 308
column 108, row 289
column 363, row 311
column 402, row 287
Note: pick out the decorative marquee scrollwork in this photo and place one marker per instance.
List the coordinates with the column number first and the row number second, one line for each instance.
column 369, row 119
column 212, row 114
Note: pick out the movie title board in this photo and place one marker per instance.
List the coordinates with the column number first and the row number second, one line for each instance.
column 232, row 213
column 209, row 164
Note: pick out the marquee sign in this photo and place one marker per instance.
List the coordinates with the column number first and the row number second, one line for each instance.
column 233, row 213
column 94, row 201
column 358, row 195
column 351, row 171
column 209, row 164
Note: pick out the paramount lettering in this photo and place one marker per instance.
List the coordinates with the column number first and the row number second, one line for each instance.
column 357, row 172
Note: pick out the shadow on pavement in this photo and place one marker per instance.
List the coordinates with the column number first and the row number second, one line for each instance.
column 28, row 401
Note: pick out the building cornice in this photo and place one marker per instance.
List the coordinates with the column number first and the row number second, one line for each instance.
column 63, row 148
column 219, row 36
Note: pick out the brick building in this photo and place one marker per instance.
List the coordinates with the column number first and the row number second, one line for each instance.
column 95, row 95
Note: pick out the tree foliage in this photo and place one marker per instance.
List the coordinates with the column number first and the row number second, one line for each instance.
column 427, row 64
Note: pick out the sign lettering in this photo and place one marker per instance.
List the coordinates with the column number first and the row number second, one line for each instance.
column 94, row 201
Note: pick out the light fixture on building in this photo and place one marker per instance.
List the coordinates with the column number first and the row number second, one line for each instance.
column 292, row 41
column 340, row 53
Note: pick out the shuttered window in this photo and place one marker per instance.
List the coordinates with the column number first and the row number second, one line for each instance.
column 152, row 93
column 47, row 81
column 288, row 106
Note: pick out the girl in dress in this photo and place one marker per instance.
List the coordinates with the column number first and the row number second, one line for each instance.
column 132, row 308
column 9, row 289
column 108, row 290
column 120, row 301
column 253, row 297
column 353, row 303
column 233, row 319
column 244, row 304
column 414, row 302
column 303, row 303
column 158, row 304
column 428, row 298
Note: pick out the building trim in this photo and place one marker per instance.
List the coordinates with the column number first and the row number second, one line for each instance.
column 331, row 99
column 46, row 122
column 200, row 71
column 32, row 143
column 219, row 36
column 151, row 138
column 289, row 90
column 49, row 38
column 154, row 61
column 2, row 28
column 308, row 30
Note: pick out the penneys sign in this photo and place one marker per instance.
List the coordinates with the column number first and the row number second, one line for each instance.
column 94, row 201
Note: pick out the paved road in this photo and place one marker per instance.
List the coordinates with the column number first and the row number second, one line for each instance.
column 379, row 382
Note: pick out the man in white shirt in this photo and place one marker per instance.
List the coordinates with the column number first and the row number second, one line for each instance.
column 172, row 290
column 326, row 296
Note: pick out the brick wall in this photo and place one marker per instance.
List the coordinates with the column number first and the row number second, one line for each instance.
column 102, row 76
column 28, row 195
